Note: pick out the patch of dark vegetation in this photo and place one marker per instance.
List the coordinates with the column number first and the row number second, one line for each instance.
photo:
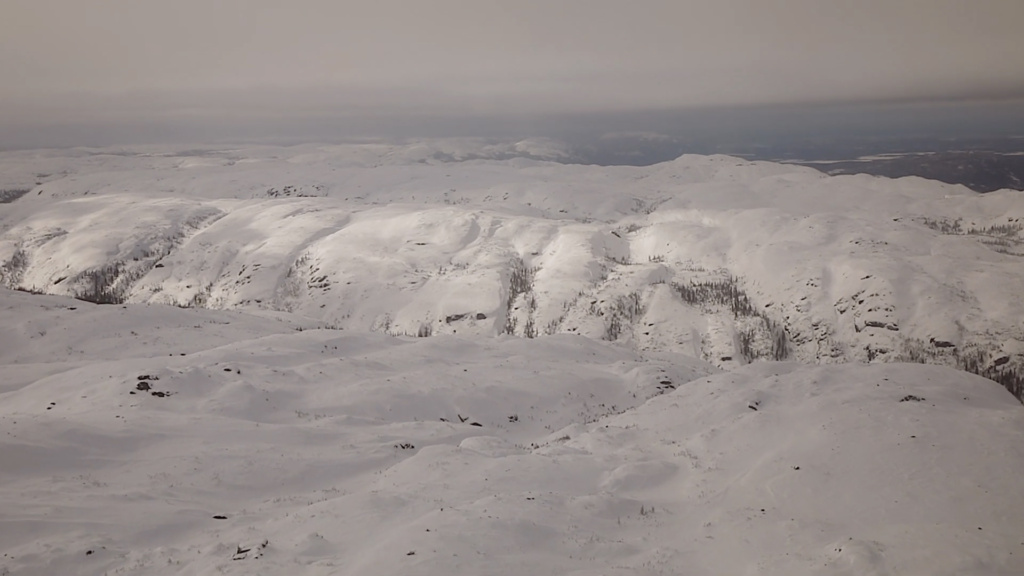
column 12, row 271
column 520, row 293
column 778, row 343
column 969, row 357
column 944, row 226
column 1003, row 238
column 109, row 284
column 11, row 194
column 622, row 312
column 911, row 398
column 726, row 293
column 1012, row 378
column 296, row 192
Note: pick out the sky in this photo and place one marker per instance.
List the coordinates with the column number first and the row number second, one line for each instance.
column 69, row 65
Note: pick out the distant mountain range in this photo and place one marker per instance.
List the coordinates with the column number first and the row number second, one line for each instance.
column 978, row 170
column 981, row 164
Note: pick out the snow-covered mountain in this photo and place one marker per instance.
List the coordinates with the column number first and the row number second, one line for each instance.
column 711, row 256
column 459, row 357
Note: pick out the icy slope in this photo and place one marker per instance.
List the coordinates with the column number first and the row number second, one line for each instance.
column 268, row 450
column 711, row 256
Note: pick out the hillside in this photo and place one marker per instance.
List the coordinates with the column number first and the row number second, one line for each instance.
column 451, row 357
column 156, row 440
column 716, row 257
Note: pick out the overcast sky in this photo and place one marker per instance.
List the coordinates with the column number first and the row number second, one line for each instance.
column 88, row 62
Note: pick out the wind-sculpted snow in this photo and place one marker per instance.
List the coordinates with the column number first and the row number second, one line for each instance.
column 156, row 440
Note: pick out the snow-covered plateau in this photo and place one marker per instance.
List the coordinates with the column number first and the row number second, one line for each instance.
column 463, row 357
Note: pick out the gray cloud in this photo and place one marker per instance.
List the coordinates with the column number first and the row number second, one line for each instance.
column 68, row 61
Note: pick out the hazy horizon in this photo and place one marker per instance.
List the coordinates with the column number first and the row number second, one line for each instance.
column 123, row 72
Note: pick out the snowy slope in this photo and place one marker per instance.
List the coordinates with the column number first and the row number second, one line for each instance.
column 453, row 357
column 271, row 450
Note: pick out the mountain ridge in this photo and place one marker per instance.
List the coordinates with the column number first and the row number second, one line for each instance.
column 391, row 239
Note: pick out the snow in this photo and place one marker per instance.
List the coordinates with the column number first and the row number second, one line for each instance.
column 256, row 401
column 373, row 236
